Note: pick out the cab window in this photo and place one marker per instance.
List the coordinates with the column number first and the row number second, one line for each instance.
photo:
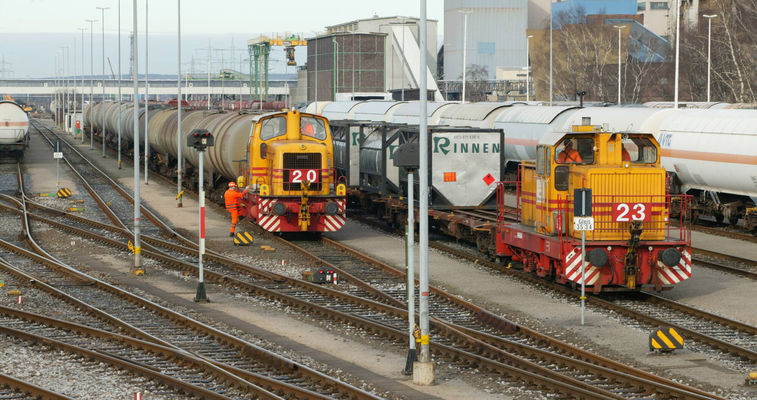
column 639, row 150
column 575, row 151
column 313, row 127
column 273, row 127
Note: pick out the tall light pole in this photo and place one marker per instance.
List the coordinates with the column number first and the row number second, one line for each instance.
column 709, row 50
column 180, row 160
column 147, row 88
column 64, row 94
column 619, row 28
column 91, row 81
column 336, row 66
column 82, row 83
column 678, row 47
column 55, row 80
column 119, row 84
column 550, row 52
column 137, row 269
column 528, row 68
column 423, row 370
column 103, row 80
column 465, row 48
column 73, row 95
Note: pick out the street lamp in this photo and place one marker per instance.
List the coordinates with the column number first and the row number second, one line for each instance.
column 528, row 69
column 138, row 268
column 465, row 46
column 103, row 80
column 619, row 28
column 119, row 84
column 180, row 160
column 336, row 66
column 147, row 88
column 678, row 48
column 82, row 84
column 709, row 48
column 91, row 80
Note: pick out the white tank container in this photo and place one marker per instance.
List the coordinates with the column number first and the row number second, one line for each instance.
column 14, row 125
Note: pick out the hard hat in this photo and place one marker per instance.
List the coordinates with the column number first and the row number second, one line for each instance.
column 232, row 184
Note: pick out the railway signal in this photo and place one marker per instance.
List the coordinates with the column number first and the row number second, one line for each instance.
column 201, row 139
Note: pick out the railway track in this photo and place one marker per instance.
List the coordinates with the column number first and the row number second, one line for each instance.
column 12, row 388
column 235, row 355
column 363, row 308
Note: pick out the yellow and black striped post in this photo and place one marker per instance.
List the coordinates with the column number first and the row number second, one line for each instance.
column 64, row 193
column 665, row 340
column 242, row 239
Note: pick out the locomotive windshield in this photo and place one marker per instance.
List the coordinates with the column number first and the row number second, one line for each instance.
column 574, row 150
column 639, row 150
column 313, row 127
column 273, row 127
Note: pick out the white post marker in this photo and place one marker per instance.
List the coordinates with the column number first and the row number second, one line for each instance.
column 57, row 155
column 582, row 221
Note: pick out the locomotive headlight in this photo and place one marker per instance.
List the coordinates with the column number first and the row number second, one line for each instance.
column 279, row 209
column 669, row 257
column 341, row 189
column 598, row 258
column 264, row 190
column 331, row 208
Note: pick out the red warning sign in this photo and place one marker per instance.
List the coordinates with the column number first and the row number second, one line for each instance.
column 450, row 177
column 488, row 179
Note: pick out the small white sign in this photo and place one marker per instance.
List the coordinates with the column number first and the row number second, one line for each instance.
column 57, row 154
column 583, row 223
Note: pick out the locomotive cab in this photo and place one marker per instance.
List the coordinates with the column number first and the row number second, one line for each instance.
column 632, row 241
column 292, row 184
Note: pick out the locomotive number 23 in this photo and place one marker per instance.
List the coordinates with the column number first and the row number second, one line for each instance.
column 301, row 175
column 625, row 212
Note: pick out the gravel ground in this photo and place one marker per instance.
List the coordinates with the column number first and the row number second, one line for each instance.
column 71, row 375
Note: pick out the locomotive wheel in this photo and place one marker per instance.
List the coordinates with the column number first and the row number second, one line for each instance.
column 719, row 218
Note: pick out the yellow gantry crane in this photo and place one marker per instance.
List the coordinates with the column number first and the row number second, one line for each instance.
column 259, row 49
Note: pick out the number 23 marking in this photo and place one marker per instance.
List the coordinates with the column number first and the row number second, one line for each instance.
column 639, row 212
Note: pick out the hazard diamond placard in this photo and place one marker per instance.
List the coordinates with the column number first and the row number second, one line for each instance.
column 489, row 179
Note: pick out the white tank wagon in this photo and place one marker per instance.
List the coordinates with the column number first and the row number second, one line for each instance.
column 712, row 154
column 706, row 150
column 14, row 129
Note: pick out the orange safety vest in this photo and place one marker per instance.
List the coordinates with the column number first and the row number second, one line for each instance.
column 231, row 198
column 569, row 156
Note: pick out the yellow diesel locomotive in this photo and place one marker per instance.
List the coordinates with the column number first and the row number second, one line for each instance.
column 633, row 242
column 290, row 171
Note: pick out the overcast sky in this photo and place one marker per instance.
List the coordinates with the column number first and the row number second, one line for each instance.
column 33, row 30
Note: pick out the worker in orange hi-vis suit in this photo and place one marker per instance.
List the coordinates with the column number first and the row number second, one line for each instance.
column 231, row 198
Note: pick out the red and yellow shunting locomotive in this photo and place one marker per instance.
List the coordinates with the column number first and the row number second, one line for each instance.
column 634, row 242
column 290, row 171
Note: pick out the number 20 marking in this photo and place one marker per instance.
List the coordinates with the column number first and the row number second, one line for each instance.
column 311, row 175
column 638, row 212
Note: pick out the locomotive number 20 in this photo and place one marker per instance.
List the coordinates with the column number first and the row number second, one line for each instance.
column 625, row 212
column 300, row 175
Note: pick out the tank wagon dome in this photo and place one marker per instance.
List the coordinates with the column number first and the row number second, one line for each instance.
column 479, row 115
column 618, row 119
column 381, row 111
column 316, row 107
column 336, row 109
column 408, row 113
column 524, row 126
